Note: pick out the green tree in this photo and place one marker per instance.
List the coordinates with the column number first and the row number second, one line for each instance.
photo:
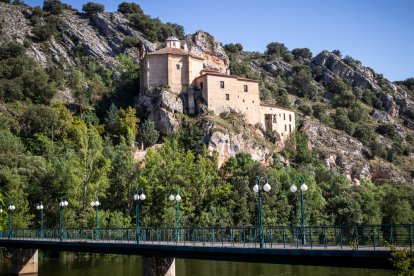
column 276, row 49
column 128, row 8
column 91, row 8
column 148, row 134
column 342, row 121
column 53, row 6
column 302, row 53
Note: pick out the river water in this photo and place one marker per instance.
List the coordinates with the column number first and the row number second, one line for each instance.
column 112, row 265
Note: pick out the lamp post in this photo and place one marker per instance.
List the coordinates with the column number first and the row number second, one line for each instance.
column 96, row 204
column 63, row 203
column 39, row 207
column 11, row 208
column 177, row 198
column 257, row 189
column 139, row 196
column 303, row 188
column 1, row 212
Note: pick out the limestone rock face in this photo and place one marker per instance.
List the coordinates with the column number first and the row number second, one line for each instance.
column 228, row 143
column 162, row 107
column 328, row 66
column 332, row 66
column 203, row 44
column 275, row 66
column 337, row 149
column 100, row 37
column 347, row 154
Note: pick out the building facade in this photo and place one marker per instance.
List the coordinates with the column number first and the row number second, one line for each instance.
column 184, row 73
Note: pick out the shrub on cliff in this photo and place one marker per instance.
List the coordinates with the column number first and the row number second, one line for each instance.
column 91, row 8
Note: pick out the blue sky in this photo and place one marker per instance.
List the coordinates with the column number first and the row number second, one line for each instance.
column 379, row 33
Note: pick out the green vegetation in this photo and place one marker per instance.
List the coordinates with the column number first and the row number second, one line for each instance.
column 152, row 28
column 91, row 8
column 87, row 147
column 403, row 261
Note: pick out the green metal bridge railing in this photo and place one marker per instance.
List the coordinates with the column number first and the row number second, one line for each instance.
column 340, row 237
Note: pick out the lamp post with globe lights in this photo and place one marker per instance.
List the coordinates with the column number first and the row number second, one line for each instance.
column 11, row 208
column 303, row 188
column 138, row 197
column 176, row 196
column 257, row 189
column 63, row 203
column 40, row 207
column 95, row 203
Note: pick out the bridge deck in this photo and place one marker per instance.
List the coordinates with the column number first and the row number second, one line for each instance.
column 277, row 253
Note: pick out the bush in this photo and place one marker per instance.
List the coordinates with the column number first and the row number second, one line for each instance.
column 276, row 49
column 305, row 109
column 129, row 8
column 301, row 53
column 342, row 121
column 91, row 8
column 130, row 41
column 53, row 6
column 233, row 48
column 337, row 53
column 357, row 113
column 403, row 261
column 387, row 130
column 365, row 134
column 11, row 50
column 42, row 33
column 272, row 136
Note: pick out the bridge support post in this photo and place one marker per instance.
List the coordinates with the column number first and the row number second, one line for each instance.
column 25, row 261
column 158, row 266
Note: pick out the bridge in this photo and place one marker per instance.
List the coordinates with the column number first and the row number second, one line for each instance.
column 345, row 246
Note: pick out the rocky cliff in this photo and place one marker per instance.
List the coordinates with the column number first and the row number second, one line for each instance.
column 101, row 36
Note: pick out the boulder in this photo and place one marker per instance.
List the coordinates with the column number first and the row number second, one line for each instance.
column 203, row 44
column 162, row 107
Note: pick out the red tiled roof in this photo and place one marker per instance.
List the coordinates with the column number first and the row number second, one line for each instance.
column 275, row 106
column 173, row 51
column 219, row 74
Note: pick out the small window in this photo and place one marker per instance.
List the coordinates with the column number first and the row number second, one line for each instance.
column 274, row 119
column 290, row 128
column 290, row 118
column 201, row 85
column 174, row 44
column 221, row 84
column 243, row 100
column 178, row 66
column 227, row 97
column 245, row 88
column 252, row 101
column 284, row 116
column 285, row 127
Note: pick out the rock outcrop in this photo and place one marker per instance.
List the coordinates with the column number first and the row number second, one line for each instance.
column 99, row 37
column 227, row 143
column 203, row 44
column 337, row 149
column 276, row 66
column 332, row 66
column 162, row 107
column 347, row 154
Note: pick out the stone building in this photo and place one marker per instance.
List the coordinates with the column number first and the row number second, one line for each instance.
column 185, row 74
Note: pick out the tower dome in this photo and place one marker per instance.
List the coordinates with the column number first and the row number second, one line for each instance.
column 172, row 42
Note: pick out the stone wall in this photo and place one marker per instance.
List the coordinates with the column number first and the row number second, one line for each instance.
column 154, row 71
column 283, row 123
column 232, row 96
